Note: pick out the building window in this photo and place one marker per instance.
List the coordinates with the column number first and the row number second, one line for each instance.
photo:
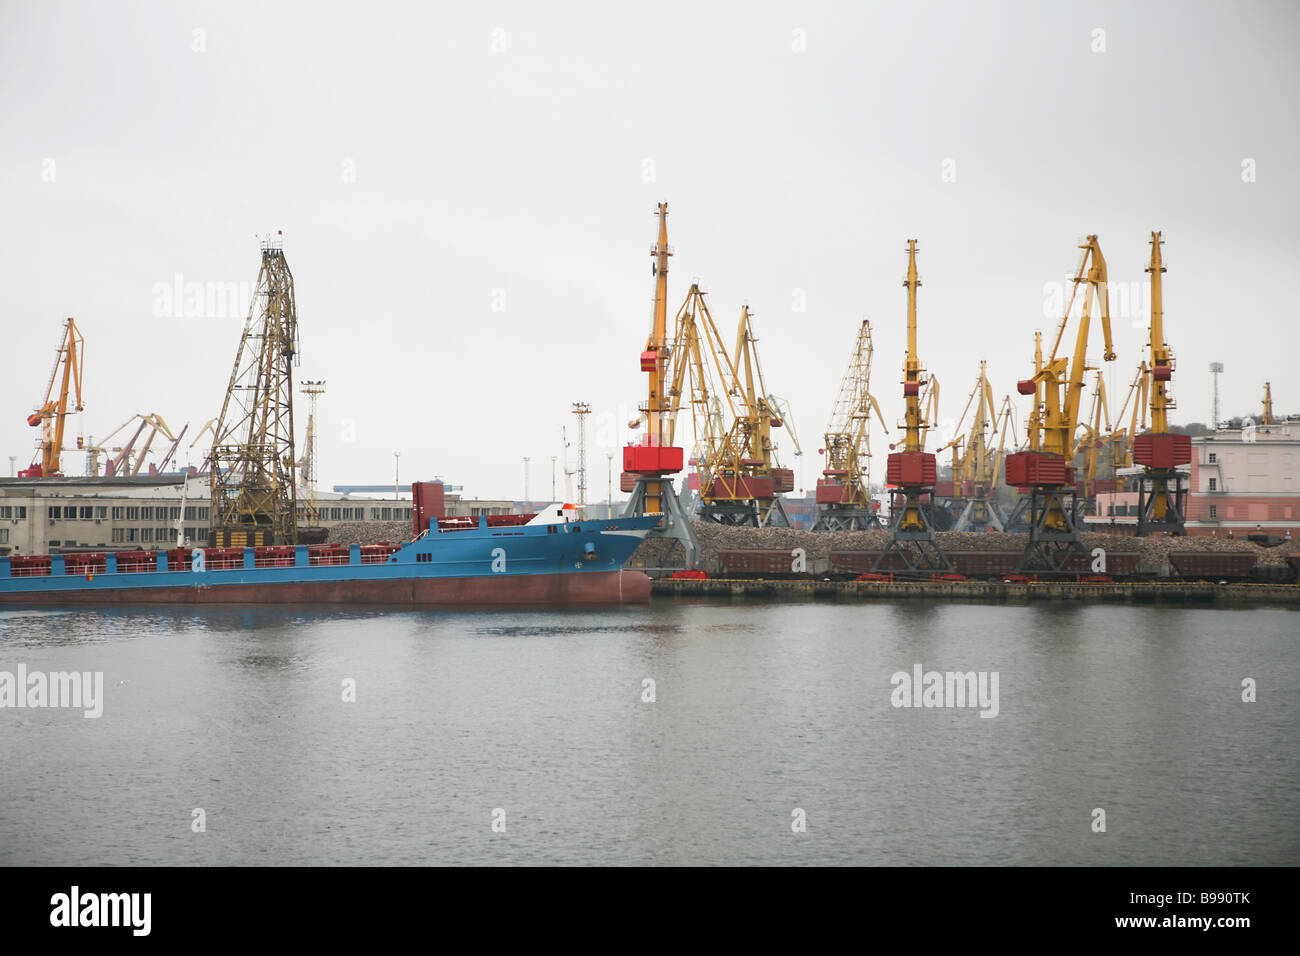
column 374, row 514
column 132, row 534
column 1214, row 457
column 176, row 514
column 164, row 534
column 4, row 535
column 203, row 514
column 334, row 514
column 117, row 513
column 55, row 513
column 189, row 513
column 1214, row 511
column 146, row 513
column 146, row 534
column 118, row 535
column 101, row 512
column 132, row 514
column 87, row 512
column 55, row 544
column 6, row 511
column 20, row 511
column 1214, row 484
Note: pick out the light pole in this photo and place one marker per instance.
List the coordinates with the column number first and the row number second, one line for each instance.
column 397, row 474
column 526, row 461
column 13, row 458
column 553, row 457
column 609, row 459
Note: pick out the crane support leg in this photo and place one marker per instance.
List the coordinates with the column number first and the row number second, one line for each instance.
column 1162, row 502
column 980, row 514
column 1054, row 544
column 911, row 539
column 675, row 523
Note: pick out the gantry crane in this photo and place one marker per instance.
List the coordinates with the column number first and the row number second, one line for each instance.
column 1162, row 487
column 1057, row 385
column 51, row 416
column 652, row 461
column 911, row 473
column 975, row 472
column 843, row 499
column 251, row 465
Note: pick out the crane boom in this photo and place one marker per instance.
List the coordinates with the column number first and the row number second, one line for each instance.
column 51, row 416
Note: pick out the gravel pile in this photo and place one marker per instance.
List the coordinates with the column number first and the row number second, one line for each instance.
column 370, row 532
column 664, row 553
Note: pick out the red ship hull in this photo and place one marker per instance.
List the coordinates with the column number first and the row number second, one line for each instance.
column 601, row 587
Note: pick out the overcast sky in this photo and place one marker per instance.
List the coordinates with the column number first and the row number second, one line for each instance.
column 466, row 194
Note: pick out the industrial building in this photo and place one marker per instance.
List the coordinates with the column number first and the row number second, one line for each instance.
column 39, row 515
column 1240, row 482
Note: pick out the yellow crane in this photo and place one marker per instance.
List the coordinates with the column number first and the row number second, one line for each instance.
column 1121, row 439
column 1162, row 488
column 1095, row 435
column 1057, row 386
column 1267, row 418
column 843, row 499
column 51, row 416
column 975, row 471
column 129, row 458
column 911, row 472
column 652, row 461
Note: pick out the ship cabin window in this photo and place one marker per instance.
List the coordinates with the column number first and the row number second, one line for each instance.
column 550, row 529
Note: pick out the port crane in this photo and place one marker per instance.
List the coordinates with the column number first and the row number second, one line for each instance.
column 1057, row 386
column 1162, row 487
column 129, row 458
column 731, row 417
column 843, row 498
column 1267, row 417
column 649, row 464
column 975, row 471
column 1093, row 437
column 51, row 415
column 251, row 464
column 911, row 472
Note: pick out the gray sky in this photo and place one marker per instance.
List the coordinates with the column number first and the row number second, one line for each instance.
column 431, row 164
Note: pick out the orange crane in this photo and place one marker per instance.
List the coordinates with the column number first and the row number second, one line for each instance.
column 1057, row 385
column 649, row 464
column 52, row 414
column 844, row 491
column 912, row 471
column 1162, row 488
column 1267, row 418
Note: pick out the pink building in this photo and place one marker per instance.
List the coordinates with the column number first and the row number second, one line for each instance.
column 1241, row 482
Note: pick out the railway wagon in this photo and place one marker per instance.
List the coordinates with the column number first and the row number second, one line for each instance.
column 1206, row 565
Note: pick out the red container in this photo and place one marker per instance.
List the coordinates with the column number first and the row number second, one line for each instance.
column 29, row 565
column 649, row 360
column 1162, row 451
column 911, row 468
column 88, row 562
column 180, row 559
column 944, row 489
column 428, row 504
column 833, row 492
column 1035, row 468
column 911, row 388
column 652, row 459
column 1162, row 373
column 757, row 561
column 741, row 488
column 1026, row 386
column 136, row 561
column 220, row 559
column 626, row 482
column 1194, row 564
column 782, row 480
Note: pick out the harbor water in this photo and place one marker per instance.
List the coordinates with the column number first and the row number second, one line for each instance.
column 683, row 732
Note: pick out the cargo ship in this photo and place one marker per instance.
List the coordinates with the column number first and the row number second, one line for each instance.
column 550, row 558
